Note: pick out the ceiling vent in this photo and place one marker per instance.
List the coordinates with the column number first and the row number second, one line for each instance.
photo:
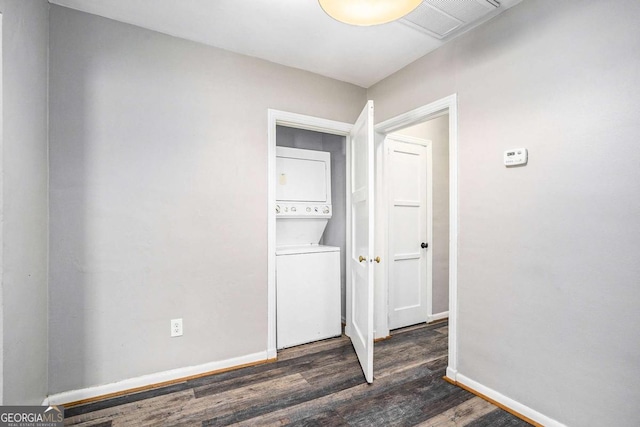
column 441, row 18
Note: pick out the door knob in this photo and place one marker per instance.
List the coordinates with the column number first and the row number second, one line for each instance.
column 361, row 258
column 377, row 259
column 424, row 245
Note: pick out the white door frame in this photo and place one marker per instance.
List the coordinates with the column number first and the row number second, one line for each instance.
column 298, row 121
column 448, row 105
column 429, row 208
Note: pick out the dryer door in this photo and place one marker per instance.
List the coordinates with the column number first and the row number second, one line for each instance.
column 303, row 175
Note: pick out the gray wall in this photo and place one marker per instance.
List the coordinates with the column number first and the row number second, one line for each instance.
column 336, row 232
column 548, row 253
column 437, row 131
column 158, row 196
column 24, row 201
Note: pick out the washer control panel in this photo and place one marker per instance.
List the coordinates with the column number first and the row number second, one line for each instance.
column 302, row 210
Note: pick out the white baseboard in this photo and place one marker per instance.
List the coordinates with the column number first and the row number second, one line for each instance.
column 507, row 402
column 452, row 374
column 272, row 353
column 437, row 316
column 151, row 379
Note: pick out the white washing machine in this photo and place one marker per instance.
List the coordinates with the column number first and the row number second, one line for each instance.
column 307, row 273
column 308, row 294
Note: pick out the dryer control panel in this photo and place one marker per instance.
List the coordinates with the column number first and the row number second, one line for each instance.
column 302, row 210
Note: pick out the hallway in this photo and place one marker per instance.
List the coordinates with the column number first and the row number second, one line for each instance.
column 314, row 384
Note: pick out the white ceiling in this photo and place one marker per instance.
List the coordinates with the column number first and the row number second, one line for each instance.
column 296, row 33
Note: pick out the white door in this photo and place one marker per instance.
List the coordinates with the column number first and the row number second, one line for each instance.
column 360, row 307
column 409, row 225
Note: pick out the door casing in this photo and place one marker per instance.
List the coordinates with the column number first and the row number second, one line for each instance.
column 298, row 121
column 447, row 105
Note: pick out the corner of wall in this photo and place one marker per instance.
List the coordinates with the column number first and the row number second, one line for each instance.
column 23, row 203
column 1, row 221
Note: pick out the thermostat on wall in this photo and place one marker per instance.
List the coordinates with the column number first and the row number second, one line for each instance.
column 515, row 156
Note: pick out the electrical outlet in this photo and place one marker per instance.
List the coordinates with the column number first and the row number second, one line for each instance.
column 176, row 327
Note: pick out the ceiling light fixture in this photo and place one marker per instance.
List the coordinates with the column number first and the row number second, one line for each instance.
column 368, row 12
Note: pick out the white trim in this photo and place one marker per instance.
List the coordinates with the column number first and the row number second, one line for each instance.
column 347, row 256
column 418, row 115
column 430, row 230
column 271, row 233
column 381, row 296
column 151, row 379
column 452, row 102
column 299, row 121
column 437, row 316
column 508, row 402
column 447, row 105
column 409, row 139
column 451, row 373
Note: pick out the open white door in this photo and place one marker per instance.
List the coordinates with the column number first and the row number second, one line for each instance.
column 360, row 310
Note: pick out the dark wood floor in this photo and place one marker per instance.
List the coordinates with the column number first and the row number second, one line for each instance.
column 318, row 384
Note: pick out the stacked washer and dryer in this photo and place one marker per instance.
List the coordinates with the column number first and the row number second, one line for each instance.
column 307, row 273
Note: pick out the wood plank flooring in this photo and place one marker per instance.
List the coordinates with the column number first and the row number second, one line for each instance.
column 318, row 384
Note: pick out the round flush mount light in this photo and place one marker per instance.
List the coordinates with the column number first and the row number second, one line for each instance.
column 368, row 12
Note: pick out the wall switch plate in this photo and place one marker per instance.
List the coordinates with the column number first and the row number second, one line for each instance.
column 176, row 327
column 516, row 156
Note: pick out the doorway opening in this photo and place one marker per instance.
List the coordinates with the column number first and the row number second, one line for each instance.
column 297, row 131
column 310, row 235
column 411, row 245
column 418, row 203
column 433, row 125
column 360, row 260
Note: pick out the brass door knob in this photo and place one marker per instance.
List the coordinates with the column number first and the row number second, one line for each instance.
column 377, row 259
column 361, row 258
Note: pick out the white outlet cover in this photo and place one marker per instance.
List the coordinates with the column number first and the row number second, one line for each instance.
column 176, row 327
